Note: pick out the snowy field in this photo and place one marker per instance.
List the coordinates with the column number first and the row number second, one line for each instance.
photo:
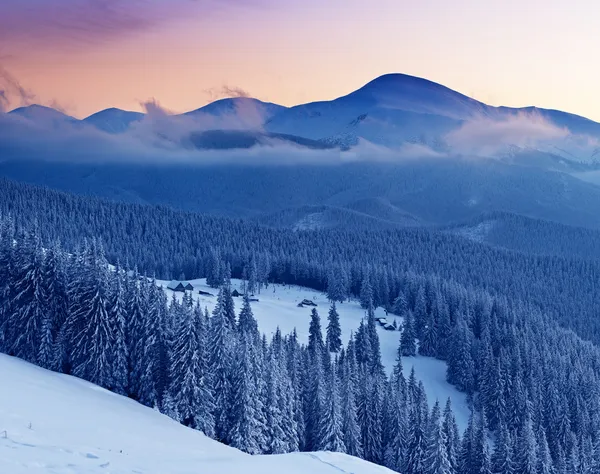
column 55, row 423
column 277, row 307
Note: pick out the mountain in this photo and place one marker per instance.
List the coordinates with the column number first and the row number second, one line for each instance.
column 113, row 120
column 44, row 116
column 54, row 423
column 233, row 105
column 391, row 111
column 396, row 108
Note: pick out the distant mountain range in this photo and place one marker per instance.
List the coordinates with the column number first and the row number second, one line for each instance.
column 391, row 110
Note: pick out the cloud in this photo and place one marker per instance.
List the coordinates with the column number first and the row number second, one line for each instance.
column 487, row 136
column 225, row 91
column 162, row 138
column 76, row 23
column 11, row 91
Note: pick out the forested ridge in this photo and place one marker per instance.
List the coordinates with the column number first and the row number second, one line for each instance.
column 533, row 386
column 164, row 242
column 489, row 313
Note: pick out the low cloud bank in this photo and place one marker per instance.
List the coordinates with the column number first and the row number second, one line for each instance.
column 487, row 136
column 162, row 138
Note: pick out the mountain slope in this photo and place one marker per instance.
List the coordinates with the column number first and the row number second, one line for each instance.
column 428, row 191
column 113, row 120
column 395, row 108
column 234, row 105
column 54, row 423
column 44, row 116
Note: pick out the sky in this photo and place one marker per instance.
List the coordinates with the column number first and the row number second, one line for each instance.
column 82, row 56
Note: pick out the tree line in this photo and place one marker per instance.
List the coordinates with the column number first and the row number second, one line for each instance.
column 533, row 386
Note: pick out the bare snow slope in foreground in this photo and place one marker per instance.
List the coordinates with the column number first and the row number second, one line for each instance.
column 278, row 307
column 54, row 423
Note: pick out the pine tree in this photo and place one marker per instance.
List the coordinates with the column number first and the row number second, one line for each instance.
column 117, row 321
column 545, row 465
column 370, row 417
column 247, row 323
column 451, row 435
column 227, row 301
column 94, row 345
column 428, row 342
column 420, row 312
column 407, row 339
column 330, row 429
column 247, row 431
column 152, row 333
column 336, row 290
column 56, row 307
column 366, row 292
column 460, row 362
column 315, row 335
column 334, row 331
column 350, row 427
column 414, row 462
column 502, row 458
column 215, row 270
column 436, row 456
column 220, row 346
column 189, row 392
column 136, row 308
column 28, row 301
column 526, row 455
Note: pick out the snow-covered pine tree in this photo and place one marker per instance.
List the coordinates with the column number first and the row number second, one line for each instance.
column 28, row 300
column 502, row 461
column 214, row 270
column 247, row 323
column 350, row 428
column 226, row 299
column 152, row 336
column 315, row 359
column 414, row 458
column 451, row 436
column 56, row 306
column 408, row 344
column 334, row 331
column 220, row 351
column 330, row 426
column 274, row 406
column 429, row 341
column 436, row 455
column 526, row 453
column 189, row 390
column 247, row 431
column 136, row 308
column 366, row 292
column 336, row 285
column 117, row 320
column 93, row 346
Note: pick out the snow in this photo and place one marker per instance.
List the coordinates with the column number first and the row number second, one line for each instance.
column 55, row 423
column 277, row 307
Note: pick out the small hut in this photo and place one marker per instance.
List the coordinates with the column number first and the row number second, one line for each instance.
column 181, row 286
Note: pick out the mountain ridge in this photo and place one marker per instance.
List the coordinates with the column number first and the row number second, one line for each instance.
column 370, row 89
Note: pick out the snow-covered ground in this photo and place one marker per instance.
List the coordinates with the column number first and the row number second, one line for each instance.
column 277, row 307
column 54, row 423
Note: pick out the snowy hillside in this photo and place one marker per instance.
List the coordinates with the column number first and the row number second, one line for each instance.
column 44, row 116
column 54, row 423
column 113, row 120
column 278, row 307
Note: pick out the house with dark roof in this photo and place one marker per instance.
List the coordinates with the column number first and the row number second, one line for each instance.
column 182, row 286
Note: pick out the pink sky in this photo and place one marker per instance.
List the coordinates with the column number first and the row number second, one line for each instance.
column 86, row 55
